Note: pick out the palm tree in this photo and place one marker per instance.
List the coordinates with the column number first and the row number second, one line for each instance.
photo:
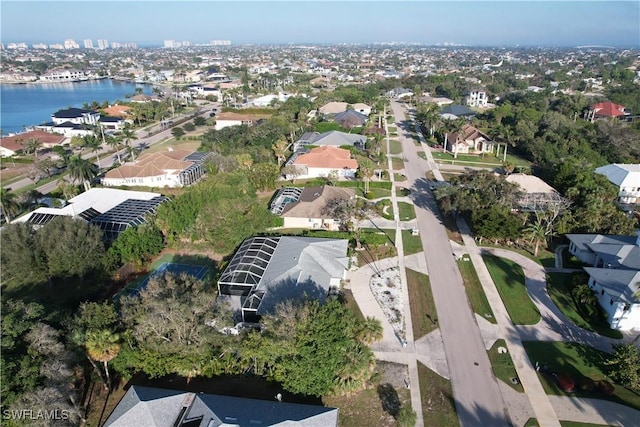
column 368, row 331
column 129, row 135
column 82, row 170
column 103, row 346
column 366, row 170
column 9, row 204
column 537, row 232
column 280, row 150
column 94, row 144
column 115, row 144
column 32, row 145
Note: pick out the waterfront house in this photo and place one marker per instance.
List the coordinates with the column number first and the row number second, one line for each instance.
column 75, row 116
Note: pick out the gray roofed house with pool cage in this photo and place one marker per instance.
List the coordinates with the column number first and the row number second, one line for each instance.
column 333, row 137
column 268, row 270
column 111, row 209
column 148, row 406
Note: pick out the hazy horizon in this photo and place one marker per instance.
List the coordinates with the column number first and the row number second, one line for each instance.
column 469, row 23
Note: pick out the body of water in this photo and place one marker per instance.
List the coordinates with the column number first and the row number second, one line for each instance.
column 32, row 104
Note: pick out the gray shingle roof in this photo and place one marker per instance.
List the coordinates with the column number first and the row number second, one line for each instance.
column 146, row 407
column 620, row 285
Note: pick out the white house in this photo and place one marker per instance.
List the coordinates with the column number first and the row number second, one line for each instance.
column 627, row 178
column 477, row 98
column 617, row 292
column 76, row 116
column 265, row 101
column 614, row 274
column 71, row 75
column 324, row 161
column 175, row 168
column 339, row 107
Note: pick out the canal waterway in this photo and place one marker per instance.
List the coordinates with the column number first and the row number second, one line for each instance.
column 24, row 105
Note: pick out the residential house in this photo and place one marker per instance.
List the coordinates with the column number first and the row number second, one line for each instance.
column 324, row 161
column 305, row 207
column 439, row 101
column 614, row 274
column 149, row 406
column 75, row 116
column 334, row 138
column 452, row 112
column 70, row 75
column 339, row 107
column 536, row 195
column 627, row 178
column 604, row 110
column 268, row 100
column 227, row 119
column 110, row 209
column 469, row 141
column 10, row 145
column 350, row 119
column 173, row 168
column 122, row 111
column 399, row 93
column 112, row 123
column 266, row 271
column 68, row 129
column 477, row 98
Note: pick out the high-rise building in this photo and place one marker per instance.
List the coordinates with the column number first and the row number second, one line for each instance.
column 71, row 44
column 88, row 44
column 171, row 43
column 39, row 46
column 115, row 45
column 220, row 42
column 103, row 44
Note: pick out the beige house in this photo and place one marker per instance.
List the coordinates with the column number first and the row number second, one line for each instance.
column 469, row 141
column 174, row 168
column 305, row 207
column 339, row 107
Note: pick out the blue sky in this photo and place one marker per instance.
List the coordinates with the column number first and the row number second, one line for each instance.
column 537, row 23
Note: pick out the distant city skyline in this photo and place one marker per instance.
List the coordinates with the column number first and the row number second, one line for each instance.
column 471, row 23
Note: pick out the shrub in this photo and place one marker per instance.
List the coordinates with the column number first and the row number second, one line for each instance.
column 369, row 195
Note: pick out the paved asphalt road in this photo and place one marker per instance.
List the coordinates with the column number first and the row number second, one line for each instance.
column 477, row 395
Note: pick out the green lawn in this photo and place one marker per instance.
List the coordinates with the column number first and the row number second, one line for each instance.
column 517, row 161
column 402, row 192
column 411, row 244
column 438, row 406
column 509, row 279
column 545, row 258
column 559, row 288
column 475, row 293
column 502, row 365
column 399, row 177
column 350, row 302
column 422, row 304
column 422, row 155
column 397, row 163
column 384, row 208
column 583, row 363
column 395, row 147
column 407, row 211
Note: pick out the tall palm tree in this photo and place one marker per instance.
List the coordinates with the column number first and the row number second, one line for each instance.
column 366, row 170
column 128, row 135
column 82, row 170
column 280, row 150
column 9, row 204
column 95, row 145
column 537, row 232
column 103, row 346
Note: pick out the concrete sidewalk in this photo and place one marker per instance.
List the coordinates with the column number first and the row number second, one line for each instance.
column 528, row 376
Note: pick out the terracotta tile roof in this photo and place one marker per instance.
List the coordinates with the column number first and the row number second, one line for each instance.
column 608, row 109
column 47, row 139
column 154, row 164
column 327, row 157
column 117, row 111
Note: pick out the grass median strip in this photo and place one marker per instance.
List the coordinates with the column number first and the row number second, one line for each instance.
column 502, row 365
column 475, row 293
column 509, row 279
column 423, row 308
